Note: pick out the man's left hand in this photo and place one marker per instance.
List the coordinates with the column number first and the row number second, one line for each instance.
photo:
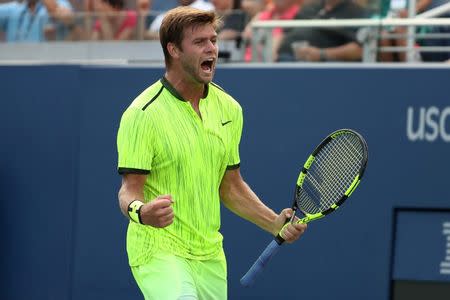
column 289, row 232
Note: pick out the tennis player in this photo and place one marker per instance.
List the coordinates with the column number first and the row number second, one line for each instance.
column 178, row 156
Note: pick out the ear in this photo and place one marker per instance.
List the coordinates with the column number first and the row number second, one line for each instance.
column 173, row 50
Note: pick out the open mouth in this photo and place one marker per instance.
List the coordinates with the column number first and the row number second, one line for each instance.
column 207, row 65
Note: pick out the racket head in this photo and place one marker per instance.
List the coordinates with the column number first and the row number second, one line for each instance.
column 331, row 174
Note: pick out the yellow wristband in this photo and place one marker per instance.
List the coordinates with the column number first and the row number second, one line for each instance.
column 134, row 211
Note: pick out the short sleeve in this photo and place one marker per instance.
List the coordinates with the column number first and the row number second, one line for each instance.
column 9, row 12
column 135, row 144
column 6, row 10
column 234, row 158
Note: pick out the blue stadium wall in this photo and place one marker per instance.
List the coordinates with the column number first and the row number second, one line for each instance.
column 63, row 236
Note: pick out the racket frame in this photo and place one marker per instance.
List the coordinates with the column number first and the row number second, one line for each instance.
column 259, row 265
column 310, row 217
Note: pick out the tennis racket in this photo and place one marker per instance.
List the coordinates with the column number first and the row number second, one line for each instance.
column 329, row 176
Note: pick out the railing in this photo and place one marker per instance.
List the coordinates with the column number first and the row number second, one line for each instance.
column 85, row 48
column 369, row 32
column 72, row 41
column 435, row 12
column 368, row 38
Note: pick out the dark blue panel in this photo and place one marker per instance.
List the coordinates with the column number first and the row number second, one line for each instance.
column 422, row 246
column 287, row 112
column 38, row 175
column 101, row 269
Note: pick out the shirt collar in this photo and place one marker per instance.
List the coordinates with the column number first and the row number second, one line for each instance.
column 175, row 93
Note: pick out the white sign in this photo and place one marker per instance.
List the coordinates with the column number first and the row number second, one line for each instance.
column 427, row 124
column 445, row 265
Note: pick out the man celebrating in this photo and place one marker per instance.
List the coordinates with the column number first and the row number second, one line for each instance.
column 178, row 146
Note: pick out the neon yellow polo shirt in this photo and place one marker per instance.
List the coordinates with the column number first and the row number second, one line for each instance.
column 185, row 156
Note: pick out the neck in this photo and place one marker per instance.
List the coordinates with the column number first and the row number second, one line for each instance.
column 189, row 90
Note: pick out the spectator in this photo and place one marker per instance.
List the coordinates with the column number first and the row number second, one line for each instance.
column 144, row 9
column 153, row 31
column 114, row 22
column 82, row 25
column 26, row 21
column 324, row 44
column 234, row 19
column 436, row 56
column 399, row 9
column 278, row 10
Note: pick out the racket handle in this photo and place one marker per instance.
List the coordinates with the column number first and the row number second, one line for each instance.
column 249, row 278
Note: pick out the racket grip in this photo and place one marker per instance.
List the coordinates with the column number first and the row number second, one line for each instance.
column 249, row 278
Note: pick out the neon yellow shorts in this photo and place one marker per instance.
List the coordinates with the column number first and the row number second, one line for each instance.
column 169, row 277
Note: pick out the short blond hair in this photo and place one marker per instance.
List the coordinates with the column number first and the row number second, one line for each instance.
column 177, row 20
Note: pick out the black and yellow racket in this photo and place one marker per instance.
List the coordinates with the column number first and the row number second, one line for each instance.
column 329, row 176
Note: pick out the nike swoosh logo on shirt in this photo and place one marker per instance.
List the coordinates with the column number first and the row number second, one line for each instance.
column 225, row 123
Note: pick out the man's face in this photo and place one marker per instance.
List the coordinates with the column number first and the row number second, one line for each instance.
column 199, row 51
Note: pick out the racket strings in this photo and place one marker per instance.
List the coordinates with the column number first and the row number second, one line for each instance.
column 339, row 165
column 331, row 174
column 333, row 163
column 345, row 159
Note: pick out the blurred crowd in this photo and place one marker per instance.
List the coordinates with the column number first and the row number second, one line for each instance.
column 81, row 20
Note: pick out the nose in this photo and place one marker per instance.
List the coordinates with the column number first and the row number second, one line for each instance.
column 211, row 46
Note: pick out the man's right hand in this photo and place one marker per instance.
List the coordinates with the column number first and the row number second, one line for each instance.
column 159, row 212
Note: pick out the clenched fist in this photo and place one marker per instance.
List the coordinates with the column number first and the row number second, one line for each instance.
column 159, row 212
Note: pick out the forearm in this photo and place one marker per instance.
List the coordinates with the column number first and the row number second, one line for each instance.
column 348, row 52
column 422, row 5
column 237, row 196
column 157, row 213
column 128, row 194
column 125, row 35
column 240, row 199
